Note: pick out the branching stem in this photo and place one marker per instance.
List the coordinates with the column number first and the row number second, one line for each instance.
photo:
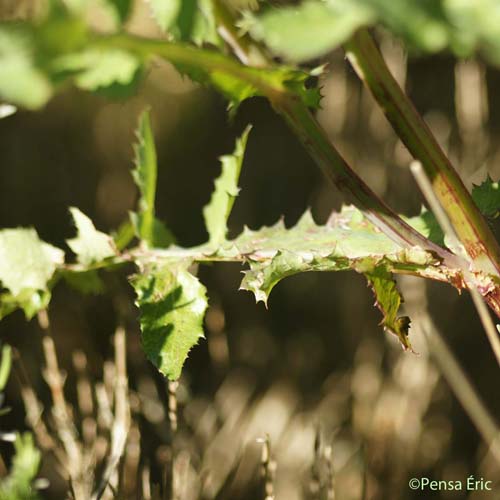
column 301, row 121
column 466, row 219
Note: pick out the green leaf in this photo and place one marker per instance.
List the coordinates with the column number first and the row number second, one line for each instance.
column 89, row 245
column 147, row 227
column 25, row 464
column 487, row 197
column 8, row 304
column 314, row 27
column 62, row 31
column 187, row 20
column 346, row 241
column 124, row 234
column 30, row 301
column 239, row 83
column 21, row 82
column 217, row 212
column 388, row 300
column 172, row 304
column 115, row 72
column 426, row 224
column 26, row 262
column 310, row 29
column 165, row 12
column 236, row 88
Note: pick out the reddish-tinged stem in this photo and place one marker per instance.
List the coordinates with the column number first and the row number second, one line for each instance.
column 470, row 226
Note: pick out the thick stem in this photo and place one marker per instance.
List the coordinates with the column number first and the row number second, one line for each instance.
column 470, row 226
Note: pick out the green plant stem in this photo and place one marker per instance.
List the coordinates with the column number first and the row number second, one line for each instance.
column 470, row 226
column 300, row 119
column 336, row 170
column 205, row 254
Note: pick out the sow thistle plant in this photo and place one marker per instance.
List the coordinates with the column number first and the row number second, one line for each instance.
column 242, row 51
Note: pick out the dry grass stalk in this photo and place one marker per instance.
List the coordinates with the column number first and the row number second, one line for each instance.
column 80, row 479
column 121, row 420
column 268, row 469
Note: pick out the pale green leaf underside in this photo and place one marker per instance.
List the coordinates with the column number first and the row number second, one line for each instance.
column 346, row 234
column 26, row 262
column 172, row 304
column 217, row 212
column 90, row 245
column 346, row 241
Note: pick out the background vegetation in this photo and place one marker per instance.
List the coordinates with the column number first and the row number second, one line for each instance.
column 346, row 411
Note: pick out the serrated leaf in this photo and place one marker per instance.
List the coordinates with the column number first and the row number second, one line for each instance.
column 296, row 82
column 487, row 197
column 21, row 82
column 388, row 301
column 26, row 262
column 217, row 212
column 238, row 82
column 172, row 304
column 346, row 241
column 145, row 224
column 90, row 245
column 234, row 88
column 263, row 276
column 310, row 29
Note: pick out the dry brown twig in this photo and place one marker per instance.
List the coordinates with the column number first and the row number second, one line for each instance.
column 121, row 421
column 80, row 480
